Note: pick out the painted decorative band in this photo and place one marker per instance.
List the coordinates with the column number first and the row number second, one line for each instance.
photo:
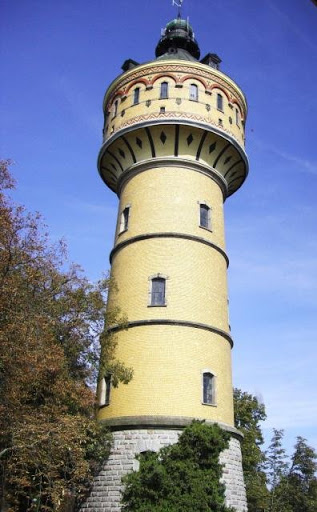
column 183, row 236
column 166, row 321
column 162, row 422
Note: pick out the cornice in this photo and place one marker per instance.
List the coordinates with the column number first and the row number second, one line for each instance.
column 184, row 236
column 163, row 422
column 178, row 323
column 170, row 117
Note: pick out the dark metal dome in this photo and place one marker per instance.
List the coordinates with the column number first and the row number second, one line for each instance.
column 178, row 34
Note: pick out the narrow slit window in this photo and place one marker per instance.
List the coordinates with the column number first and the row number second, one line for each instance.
column 219, row 102
column 105, row 390
column 164, row 90
column 204, row 216
column 208, row 388
column 237, row 117
column 124, row 220
column 136, row 96
column 193, row 92
column 158, row 292
column 115, row 108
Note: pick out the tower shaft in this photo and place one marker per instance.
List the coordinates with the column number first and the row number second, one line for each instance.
column 173, row 151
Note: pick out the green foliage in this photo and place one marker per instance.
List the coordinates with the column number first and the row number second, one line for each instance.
column 297, row 489
column 50, row 323
column 248, row 415
column 276, row 467
column 183, row 477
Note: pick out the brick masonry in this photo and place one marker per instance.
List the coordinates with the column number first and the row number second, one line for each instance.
column 106, row 493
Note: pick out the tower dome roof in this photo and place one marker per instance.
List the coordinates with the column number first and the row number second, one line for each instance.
column 178, row 35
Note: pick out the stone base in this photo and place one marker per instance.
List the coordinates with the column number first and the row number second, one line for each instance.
column 106, row 492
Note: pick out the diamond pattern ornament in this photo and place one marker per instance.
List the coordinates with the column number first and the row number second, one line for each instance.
column 227, row 159
column 190, row 139
column 212, row 147
column 163, row 137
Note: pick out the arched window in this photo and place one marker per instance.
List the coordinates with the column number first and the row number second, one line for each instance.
column 193, row 92
column 105, row 388
column 164, row 90
column 158, row 291
column 204, row 216
column 208, row 388
column 136, row 95
column 219, row 102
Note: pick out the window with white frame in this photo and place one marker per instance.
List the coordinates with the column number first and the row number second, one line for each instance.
column 164, row 90
column 208, row 391
column 219, row 102
column 105, row 388
column 157, row 291
column 124, row 219
column 204, row 216
column 193, row 92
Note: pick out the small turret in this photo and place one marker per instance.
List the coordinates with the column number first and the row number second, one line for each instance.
column 178, row 35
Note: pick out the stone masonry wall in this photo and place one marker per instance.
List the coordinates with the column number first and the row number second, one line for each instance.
column 106, row 492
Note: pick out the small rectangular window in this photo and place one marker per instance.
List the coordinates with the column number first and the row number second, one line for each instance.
column 164, row 90
column 124, row 219
column 237, row 117
column 219, row 102
column 105, row 388
column 136, row 96
column 158, row 292
column 204, row 216
column 115, row 108
column 193, row 92
column 208, row 388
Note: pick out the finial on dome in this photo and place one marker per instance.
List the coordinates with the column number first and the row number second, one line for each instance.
column 178, row 4
column 178, row 35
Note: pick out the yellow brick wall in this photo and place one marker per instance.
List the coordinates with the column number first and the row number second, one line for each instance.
column 167, row 363
column 168, row 360
column 196, row 288
column 166, row 199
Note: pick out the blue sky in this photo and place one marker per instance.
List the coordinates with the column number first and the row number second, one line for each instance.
column 58, row 57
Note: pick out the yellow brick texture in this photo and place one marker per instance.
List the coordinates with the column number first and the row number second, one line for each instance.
column 168, row 362
column 196, row 286
column 166, row 199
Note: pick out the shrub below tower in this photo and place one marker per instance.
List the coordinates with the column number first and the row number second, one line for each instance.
column 182, row 477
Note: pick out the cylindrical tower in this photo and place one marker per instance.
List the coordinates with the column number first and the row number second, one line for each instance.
column 173, row 151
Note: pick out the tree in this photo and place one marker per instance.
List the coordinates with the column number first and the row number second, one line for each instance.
column 248, row 415
column 297, row 490
column 181, row 477
column 276, row 467
column 50, row 321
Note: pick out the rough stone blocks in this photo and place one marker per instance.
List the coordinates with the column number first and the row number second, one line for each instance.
column 106, row 492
